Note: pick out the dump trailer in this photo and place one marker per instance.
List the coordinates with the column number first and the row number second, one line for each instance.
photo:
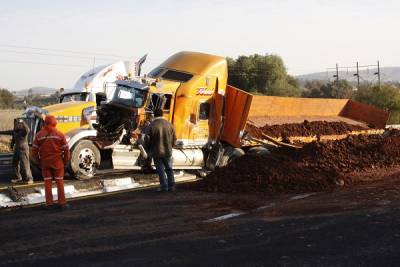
column 213, row 121
column 277, row 110
column 273, row 110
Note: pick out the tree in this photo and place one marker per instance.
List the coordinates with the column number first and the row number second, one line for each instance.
column 318, row 89
column 6, row 99
column 262, row 74
column 313, row 89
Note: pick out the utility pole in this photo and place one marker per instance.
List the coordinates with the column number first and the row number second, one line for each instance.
column 337, row 74
column 358, row 77
column 379, row 75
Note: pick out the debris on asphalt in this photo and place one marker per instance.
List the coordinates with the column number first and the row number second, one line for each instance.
column 315, row 167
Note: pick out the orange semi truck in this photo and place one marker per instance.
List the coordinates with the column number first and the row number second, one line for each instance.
column 209, row 116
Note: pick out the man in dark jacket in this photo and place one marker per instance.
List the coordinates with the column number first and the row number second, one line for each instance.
column 21, row 152
column 160, row 140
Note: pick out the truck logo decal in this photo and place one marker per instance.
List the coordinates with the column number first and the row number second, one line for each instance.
column 204, row 91
column 64, row 119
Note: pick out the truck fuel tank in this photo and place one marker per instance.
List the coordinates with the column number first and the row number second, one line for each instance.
column 125, row 157
column 187, row 158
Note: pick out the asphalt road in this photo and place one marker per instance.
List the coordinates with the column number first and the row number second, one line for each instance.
column 351, row 227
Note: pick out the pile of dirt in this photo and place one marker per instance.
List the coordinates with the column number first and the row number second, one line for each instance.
column 315, row 167
column 312, row 128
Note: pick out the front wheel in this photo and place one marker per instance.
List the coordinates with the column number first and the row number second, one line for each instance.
column 85, row 157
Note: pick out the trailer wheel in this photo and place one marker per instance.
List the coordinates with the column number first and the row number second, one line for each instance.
column 230, row 153
column 85, row 158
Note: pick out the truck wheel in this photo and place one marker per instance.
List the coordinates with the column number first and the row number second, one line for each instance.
column 85, row 157
column 230, row 153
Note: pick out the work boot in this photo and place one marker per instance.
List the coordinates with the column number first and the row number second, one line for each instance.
column 63, row 206
column 15, row 181
column 47, row 207
column 172, row 189
column 161, row 190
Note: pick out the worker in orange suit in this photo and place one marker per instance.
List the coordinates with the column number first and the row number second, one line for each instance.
column 50, row 150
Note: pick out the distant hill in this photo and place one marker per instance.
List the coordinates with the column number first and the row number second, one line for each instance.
column 387, row 74
column 36, row 91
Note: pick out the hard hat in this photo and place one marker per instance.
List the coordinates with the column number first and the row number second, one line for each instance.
column 50, row 120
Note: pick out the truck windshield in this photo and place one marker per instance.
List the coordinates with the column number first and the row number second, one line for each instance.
column 128, row 96
column 173, row 75
column 72, row 97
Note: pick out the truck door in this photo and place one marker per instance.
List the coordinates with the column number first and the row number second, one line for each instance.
column 202, row 117
column 201, row 130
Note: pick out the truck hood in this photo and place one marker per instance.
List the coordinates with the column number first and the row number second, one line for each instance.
column 69, row 108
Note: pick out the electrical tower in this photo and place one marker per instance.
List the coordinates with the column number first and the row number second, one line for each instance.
column 357, row 74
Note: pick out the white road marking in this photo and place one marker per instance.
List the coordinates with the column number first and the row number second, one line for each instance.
column 301, row 196
column 225, row 217
column 236, row 214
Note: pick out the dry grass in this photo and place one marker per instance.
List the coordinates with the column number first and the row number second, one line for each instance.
column 6, row 123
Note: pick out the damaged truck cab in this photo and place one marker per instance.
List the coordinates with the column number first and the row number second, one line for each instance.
column 189, row 87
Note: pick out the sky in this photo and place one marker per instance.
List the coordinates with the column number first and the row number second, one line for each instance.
column 53, row 42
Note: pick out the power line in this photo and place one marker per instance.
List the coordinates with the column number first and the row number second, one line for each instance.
column 62, row 50
column 357, row 74
column 41, row 63
column 351, row 67
column 47, row 54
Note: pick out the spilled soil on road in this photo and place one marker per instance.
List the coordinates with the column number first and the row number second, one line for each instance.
column 315, row 167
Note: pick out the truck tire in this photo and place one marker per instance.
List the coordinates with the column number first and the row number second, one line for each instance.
column 230, row 153
column 85, row 158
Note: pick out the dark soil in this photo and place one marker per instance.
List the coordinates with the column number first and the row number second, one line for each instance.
column 315, row 167
column 312, row 128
